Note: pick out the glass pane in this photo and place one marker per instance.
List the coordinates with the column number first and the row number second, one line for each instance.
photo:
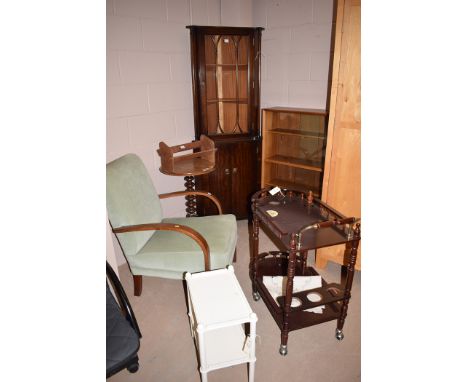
column 243, row 120
column 226, row 76
column 211, row 42
column 227, row 50
column 211, row 91
column 244, row 50
column 212, row 118
column 243, row 84
column 227, row 88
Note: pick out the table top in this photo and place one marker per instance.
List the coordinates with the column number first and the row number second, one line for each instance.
column 217, row 297
column 285, row 214
column 193, row 167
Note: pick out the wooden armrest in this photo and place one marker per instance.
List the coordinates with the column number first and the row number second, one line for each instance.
column 172, row 227
column 208, row 195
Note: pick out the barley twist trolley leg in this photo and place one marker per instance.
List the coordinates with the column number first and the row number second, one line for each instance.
column 253, row 259
column 349, row 282
column 283, row 350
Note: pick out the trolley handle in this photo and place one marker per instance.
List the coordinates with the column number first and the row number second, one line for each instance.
column 325, row 224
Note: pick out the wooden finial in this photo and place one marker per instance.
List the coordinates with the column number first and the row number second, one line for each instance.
column 310, row 197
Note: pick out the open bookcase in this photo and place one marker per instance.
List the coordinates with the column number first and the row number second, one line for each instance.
column 294, row 143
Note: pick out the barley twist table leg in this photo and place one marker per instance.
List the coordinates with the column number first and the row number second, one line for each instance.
column 191, row 201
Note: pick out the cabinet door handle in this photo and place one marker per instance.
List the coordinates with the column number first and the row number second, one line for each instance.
column 234, row 170
column 226, row 171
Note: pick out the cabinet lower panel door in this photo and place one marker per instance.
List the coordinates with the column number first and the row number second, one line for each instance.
column 245, row 178
column 218, row 183
column 234, row 180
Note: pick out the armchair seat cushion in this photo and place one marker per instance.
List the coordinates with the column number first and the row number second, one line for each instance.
column 170, row 254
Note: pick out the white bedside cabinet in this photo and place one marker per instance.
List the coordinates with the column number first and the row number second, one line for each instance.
column 218, row 311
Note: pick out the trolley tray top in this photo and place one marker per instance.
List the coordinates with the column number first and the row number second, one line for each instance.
column 285, row 214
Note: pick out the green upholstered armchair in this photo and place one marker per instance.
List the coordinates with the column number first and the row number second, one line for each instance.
column 158, row 247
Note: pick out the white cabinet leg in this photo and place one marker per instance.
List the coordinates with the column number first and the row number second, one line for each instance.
column 251, row 371
column 204, row 377
column 253, row 337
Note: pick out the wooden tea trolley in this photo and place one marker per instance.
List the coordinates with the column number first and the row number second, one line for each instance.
column 300, row 223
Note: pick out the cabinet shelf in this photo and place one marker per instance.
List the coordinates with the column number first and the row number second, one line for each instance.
column 225, row 346
column 227, row 66
column 295, row 162
column 230, row 100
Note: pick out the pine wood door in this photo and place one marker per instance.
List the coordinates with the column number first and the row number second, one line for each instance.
column 342, row 172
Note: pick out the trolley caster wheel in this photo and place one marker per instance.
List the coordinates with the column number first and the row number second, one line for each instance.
column 256, row 296
column 283, row 350
column 339, row 334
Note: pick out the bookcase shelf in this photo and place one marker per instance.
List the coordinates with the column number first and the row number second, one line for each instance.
column 294, row 162
column 290, row 185
column 305, row 134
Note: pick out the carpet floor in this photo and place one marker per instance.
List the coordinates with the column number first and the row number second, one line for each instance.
column 167, row 352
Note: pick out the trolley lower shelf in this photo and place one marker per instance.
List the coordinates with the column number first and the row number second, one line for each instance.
column 332, row 295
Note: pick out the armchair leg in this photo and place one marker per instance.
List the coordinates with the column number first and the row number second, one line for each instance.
column 137, row 285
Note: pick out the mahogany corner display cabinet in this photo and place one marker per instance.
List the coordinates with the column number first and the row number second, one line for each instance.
column 226, row 99
column 298, row 223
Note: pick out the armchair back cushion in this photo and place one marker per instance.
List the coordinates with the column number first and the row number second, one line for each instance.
column 131, row 199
